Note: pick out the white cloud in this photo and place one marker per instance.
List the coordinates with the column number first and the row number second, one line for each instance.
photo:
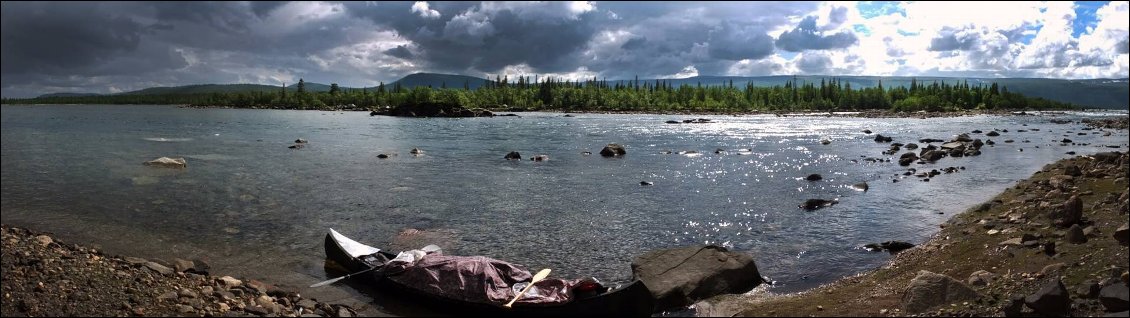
column 772, row 65
column 468, row 28
column 365, row 61
column 689, row 71
column 296, row 15
column 423, row 9
column 513, row 71
column 549, row 10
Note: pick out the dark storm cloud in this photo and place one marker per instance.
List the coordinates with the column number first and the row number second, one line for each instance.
column 225, row 16
column 737, row 43
column 400, row 51
column 56, row 39
column 806, row 36
column 1123, row 46
column 262, row 8
column 487, row 39
column 634, row 43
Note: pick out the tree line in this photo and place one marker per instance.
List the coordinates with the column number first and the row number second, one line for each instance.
column 601, row 95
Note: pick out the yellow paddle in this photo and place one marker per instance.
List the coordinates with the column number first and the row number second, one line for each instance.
column 537, row 278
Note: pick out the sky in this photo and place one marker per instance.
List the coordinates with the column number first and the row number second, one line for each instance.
column 111, row 47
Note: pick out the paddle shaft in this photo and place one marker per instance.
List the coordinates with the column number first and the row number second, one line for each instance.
column 340, row 278
column 537, row 278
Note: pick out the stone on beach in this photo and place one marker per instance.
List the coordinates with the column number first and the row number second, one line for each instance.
column 928, row 290
column 677, row 277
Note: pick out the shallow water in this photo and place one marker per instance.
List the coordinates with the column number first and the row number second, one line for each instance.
column 255, row 208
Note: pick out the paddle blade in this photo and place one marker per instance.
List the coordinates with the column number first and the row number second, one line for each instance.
column 540, row 276
column 537, row 278
column 328, row 282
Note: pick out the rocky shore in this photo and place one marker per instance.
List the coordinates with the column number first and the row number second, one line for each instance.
column 43, row 276
column 1053, row 245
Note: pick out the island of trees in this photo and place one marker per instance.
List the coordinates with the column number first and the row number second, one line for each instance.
column 599, row 95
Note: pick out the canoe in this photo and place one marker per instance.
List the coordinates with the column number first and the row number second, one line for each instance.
column 629, row 299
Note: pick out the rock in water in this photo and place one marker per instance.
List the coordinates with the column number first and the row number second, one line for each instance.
column 892, row 247
column 678, row 277
column 167, row 162
column 928, row 290
column 813, row 204
column 814, row 177
column 612, row 150
column 513, row 155
column 416, row 151
column 862, row 186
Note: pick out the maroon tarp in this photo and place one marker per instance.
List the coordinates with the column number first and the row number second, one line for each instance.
column 476, row 279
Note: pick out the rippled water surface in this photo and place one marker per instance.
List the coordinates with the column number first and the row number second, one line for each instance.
column 253, row 207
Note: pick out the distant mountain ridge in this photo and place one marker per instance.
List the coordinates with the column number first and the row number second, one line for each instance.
column 1099, row 93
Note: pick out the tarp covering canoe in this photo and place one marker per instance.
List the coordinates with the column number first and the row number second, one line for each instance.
column 474, row 278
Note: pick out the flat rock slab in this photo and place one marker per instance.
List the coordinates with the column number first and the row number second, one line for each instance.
column 680, row 276
column 928, row 290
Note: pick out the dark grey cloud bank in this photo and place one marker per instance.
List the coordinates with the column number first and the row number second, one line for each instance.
column 119, row 46
column 108, row 47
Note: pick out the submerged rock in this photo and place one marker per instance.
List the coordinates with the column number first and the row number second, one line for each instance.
column 813, row 204
column 862, row 186
column 814, row 177
column 166, row 162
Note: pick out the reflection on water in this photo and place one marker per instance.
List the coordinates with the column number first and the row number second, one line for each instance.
column 255, row 208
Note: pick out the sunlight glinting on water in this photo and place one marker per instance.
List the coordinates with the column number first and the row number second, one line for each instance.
column 245, row 197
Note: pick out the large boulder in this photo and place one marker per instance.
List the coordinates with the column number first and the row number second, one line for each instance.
column 1070, row 212
column 1122, row 234
column 1052, row 300
column 678, row 277
column 1115, row 297
column 612, row 150
column 928, row 290
column 933, row 155
column 167, row 162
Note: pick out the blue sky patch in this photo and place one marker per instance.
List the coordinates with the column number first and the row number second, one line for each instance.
column 1085, row 16
column 871, row 9
column 861, row 29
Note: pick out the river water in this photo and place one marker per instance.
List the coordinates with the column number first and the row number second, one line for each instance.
column 254, row 208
